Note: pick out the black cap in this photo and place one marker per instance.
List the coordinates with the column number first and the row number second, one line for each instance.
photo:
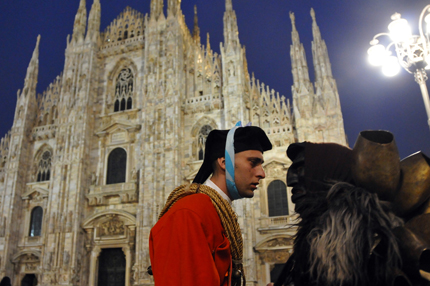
column 245, row 138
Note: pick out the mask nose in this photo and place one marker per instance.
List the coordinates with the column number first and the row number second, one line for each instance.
column 292, row 176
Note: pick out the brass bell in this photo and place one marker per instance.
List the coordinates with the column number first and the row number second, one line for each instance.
column 415, row 185
column 414, row 250
column 376, row 163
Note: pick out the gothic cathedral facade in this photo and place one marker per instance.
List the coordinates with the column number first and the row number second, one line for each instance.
column 88, row 165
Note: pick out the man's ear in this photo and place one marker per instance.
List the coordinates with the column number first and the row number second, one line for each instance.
column 221, row 163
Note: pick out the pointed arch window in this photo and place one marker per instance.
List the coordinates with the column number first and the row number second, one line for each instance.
column 201, row 140
column 44, row 167
column 36, row 222
column 277, row 198
column 124, row 88
column 117, row 165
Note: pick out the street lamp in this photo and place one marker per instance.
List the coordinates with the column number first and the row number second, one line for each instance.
column 413, row 52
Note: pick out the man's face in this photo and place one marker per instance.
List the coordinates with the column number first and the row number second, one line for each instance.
column 248, row 171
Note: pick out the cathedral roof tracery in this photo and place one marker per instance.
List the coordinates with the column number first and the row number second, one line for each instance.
column 129, row 24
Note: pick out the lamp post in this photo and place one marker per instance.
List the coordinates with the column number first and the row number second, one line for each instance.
column 413, row 52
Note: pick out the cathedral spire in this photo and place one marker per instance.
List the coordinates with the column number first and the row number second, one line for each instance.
column 30, row 81
column 231, row 32
column 94, row 22
column 173, row 6
column 196, row 30
column 228, row 5
column 321, row 60
column 156, row 8
column 298, row 58
column 208, row 43
column 80, row 22
column 325, row 85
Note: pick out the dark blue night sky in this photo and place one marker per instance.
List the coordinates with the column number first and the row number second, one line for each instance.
column 369, row 100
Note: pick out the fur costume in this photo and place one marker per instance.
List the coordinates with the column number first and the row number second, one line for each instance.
column 347, row 235
column 344, row 238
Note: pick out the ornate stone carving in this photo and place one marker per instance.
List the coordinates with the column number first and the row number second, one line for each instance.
column 281, row 241
column 30, row 266
column 112, row 227
column 279, row 256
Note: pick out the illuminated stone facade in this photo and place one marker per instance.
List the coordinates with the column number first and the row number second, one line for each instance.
column 88, row 165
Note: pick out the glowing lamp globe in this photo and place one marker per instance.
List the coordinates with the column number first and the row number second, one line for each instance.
column 399, row 29
column 377, row 55
column 391, row 66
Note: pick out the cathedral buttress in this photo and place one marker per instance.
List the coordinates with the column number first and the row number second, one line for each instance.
column 166, row 41
column 237, row 99
column 70, row 177
column 18, row 167
column 80, row 23
column 235, row 73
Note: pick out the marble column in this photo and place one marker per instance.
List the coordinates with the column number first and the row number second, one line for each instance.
column 127, row 252
column 93, row 265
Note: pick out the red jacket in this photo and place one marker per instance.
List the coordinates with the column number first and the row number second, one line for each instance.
column 188, row 245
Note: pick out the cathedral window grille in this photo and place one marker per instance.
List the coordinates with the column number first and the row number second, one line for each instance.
column 124, row 90
column 277, row 198
column 44, row 167
column 203, row 135
column 36, row 222
column 112, row 267
column 117, row 165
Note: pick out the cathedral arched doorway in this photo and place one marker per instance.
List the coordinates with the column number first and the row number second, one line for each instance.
column 5, row 282
column 113, row 233
column 29, row 280
column 112, row 266
column 273, row 252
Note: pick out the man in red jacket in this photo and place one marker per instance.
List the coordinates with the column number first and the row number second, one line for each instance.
column 197, row 240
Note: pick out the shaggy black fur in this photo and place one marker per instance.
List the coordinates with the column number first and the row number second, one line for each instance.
column 344, row 238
